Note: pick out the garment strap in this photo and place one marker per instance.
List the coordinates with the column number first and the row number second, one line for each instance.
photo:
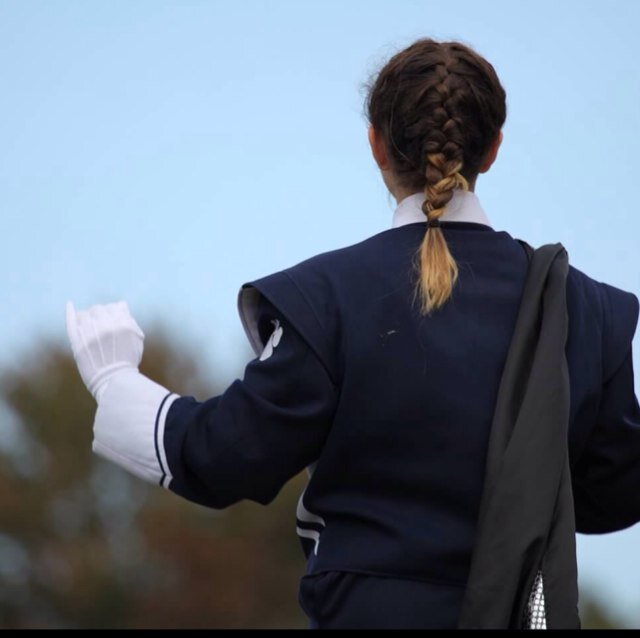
column 526, row 521
column 528, row 249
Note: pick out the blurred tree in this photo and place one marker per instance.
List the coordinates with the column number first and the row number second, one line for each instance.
column 84, row 544
column 595, row 615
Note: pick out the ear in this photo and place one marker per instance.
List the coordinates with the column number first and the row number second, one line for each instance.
column 378, row 149
column 491, row 155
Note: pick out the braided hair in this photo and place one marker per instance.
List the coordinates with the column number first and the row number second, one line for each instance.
column 438, row 106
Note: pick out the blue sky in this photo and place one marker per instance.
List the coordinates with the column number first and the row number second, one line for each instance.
column 167, row 152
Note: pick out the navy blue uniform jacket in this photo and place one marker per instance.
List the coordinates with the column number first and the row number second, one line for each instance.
column 390, row 412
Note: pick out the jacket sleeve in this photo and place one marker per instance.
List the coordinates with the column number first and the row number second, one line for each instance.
column 606, row 481
column 247, row 442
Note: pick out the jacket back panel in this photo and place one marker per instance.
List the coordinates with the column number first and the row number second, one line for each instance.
column 397, row 488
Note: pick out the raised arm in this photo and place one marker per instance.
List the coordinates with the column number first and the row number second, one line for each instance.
column 245, row 443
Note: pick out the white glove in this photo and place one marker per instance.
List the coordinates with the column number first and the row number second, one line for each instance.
column 128, row 428
column 104, row 339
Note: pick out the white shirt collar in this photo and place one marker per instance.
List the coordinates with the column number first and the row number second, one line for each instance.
column 464, row 206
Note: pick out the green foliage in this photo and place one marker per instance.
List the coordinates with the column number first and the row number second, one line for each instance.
column 84, row 544
column 594, row 614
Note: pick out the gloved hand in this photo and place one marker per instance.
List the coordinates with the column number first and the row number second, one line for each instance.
column 104, row 339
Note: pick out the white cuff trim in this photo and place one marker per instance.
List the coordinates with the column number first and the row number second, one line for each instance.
column 129, row 426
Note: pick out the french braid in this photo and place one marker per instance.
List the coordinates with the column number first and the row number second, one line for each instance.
column 438, row 106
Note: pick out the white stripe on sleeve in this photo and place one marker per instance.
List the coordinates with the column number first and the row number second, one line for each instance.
column 129, row 425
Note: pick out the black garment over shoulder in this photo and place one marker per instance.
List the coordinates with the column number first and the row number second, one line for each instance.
column 523, row 570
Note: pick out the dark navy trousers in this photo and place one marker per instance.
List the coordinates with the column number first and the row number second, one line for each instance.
column 351, row 600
